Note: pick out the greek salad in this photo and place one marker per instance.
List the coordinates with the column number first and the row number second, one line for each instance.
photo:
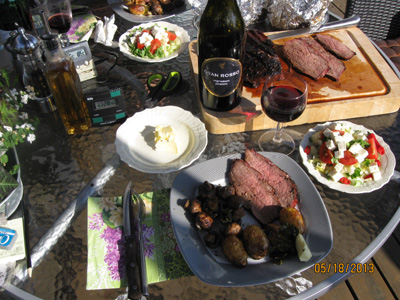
column 346, row 155
column 153, row 42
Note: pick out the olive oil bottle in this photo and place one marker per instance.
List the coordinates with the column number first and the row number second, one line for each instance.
column 66, row 87
column 221, row 43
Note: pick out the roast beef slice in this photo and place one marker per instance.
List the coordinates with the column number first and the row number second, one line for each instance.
column 249, row 184
column 284, row 186
column 305, row 59
column 336, row 66
column 335, row 46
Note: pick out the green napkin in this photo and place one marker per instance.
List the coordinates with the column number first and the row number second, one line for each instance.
column 106, row 256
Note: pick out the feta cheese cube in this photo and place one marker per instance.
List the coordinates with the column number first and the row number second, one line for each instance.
column 145, row 39
column 377, row 176
column 355, row 148
column 328, row 133
column 338, row 139
column 347, row 137
column 341, row 146
column 351, row 169
column 337, row 126
column 339, row 154
column 335, row 175
column 373, row 167
column 359, row 135
column 361, row 155
column 330, row 145
column 339, row 167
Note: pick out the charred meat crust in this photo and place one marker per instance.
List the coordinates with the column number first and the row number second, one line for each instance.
column 260, row 59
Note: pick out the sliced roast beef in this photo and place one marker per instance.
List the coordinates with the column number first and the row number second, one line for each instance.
column 336, row 66
column 284, row 186
column 335, row 46
column 249, row 184
column 305, row 59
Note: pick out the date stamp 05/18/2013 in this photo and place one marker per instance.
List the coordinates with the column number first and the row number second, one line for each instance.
column 354, row 268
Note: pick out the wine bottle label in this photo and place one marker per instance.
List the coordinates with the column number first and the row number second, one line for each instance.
column 221, row 75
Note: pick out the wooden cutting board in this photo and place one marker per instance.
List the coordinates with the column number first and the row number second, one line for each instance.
column 367, row 87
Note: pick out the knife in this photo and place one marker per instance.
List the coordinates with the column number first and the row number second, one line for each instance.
column 344, row 23
column 142, row 208
column 131, row 243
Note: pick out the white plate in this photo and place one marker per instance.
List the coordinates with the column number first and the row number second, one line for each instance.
column 135, row 139
column 123, row 12
column 180, row 32
column 217, row 271
column 388, row 162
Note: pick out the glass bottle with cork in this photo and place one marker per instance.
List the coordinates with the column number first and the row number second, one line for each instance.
column 65, row 86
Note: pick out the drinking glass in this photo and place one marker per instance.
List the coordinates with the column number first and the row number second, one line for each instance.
column 283, row 99
column 60, row 18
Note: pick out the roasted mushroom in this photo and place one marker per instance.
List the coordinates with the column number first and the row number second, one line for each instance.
column 212, row 239
column 203, row 221
column 233, row 229
column 206, row 190
column 234, row 251
column 193, row 206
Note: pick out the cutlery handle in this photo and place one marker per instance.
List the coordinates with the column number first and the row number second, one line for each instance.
column 351, row 21
column 133, row 272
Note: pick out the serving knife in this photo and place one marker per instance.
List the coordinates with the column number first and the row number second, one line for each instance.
column 344, row 23
column 131, row 242
column 143, row 269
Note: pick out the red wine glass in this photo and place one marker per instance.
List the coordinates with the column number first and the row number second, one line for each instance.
column 283, row 99
column 60, row 18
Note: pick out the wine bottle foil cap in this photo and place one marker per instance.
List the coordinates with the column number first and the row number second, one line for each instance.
column 51, row 41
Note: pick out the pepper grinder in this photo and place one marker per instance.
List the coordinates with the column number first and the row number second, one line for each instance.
column 29, row 54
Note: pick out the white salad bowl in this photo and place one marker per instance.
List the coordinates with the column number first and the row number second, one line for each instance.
column 179, row 31
column 388, row 162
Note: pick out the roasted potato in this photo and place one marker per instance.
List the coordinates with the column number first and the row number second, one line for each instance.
column 235, row 201
column 293, row 217
column 234, row 251
column 255, row 242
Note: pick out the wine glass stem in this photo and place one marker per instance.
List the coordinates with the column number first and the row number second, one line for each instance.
column 278, row 133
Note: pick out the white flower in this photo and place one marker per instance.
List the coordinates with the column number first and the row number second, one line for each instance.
column 1, row 134
column 14, row 92
column 30, row 89
column 24, row 116
column 31, row 137
column 24, row 98
column 116, row 216
column 108, row 203
column 8, row 128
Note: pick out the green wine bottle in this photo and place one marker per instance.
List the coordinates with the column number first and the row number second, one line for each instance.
column 221, row 43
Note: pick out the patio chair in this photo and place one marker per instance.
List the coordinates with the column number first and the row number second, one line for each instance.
column 380, row 21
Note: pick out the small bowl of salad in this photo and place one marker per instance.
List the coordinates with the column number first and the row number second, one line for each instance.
column 347, row 157
column 154, row 42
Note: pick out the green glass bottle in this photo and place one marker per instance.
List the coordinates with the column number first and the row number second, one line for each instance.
column 221, row 45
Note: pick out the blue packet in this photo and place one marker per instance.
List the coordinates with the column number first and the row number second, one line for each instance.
column 7, row 238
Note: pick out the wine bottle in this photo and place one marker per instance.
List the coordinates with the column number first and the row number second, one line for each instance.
column 221, row 43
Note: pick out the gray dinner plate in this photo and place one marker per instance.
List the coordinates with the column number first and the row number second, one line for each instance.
column 214, row 269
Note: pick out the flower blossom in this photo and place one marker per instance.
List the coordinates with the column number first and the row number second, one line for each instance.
column 31, row 137
column 116, row 216
column 108, row 203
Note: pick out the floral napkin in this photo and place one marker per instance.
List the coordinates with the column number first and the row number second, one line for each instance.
column 106, row 255
column 82, row 27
